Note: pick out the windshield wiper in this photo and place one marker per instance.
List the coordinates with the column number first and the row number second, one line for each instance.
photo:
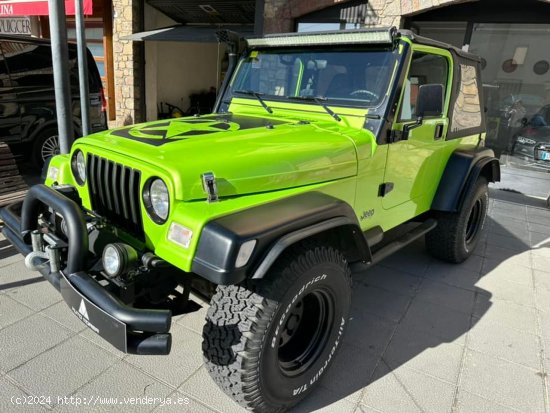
column 320, row 101
column 257, row 96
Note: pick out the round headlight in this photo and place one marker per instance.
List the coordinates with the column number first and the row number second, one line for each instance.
column 112, row 261
column 78, row 166
column 157, row 200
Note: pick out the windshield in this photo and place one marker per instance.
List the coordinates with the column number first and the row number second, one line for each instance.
column 354, row 77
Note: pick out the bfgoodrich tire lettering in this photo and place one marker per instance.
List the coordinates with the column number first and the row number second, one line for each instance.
column 457, row 234
column 268, row 343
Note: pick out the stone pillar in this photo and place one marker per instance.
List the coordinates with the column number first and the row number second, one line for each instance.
column 128, row 62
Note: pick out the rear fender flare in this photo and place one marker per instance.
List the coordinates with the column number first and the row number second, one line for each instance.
column 461, row 173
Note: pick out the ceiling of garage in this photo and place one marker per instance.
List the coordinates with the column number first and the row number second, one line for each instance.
column 207, row 11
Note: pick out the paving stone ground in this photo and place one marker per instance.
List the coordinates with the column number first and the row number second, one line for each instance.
column 424, row 336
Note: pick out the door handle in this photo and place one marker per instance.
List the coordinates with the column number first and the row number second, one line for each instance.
column 438, row 131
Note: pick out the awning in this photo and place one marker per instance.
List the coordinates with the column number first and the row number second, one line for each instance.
column 37, row 7
column 184, row 33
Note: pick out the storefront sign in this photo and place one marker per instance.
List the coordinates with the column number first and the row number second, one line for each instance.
column 37, row 7
column 15, row 25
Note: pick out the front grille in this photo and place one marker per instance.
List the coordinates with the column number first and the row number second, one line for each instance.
column 114, row 193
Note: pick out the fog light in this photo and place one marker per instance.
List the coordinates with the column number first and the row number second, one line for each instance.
column 118, row 259
column 245, row 252
column 180, row 235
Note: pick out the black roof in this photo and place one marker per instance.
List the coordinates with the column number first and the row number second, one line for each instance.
column 23, row 38
column 431, row 42
column 30, row 39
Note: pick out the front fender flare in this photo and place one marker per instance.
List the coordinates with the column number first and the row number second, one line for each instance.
column 275, row 226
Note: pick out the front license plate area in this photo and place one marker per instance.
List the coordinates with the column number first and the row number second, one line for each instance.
column 97, row 320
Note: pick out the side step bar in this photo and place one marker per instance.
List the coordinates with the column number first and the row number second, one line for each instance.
column 403, row 241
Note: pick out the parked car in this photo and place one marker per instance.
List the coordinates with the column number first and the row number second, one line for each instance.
column 28, row 121
column 322, row 150
column 533, row 139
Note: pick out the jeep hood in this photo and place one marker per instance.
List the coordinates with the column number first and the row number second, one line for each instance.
column 247, row 154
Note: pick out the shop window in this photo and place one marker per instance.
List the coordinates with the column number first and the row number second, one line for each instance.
column 94, row 42
column 516, row 88
column 425, row 69
column 467, row 107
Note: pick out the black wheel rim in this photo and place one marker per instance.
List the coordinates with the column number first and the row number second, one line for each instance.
column 474, row 221
column 305, row 332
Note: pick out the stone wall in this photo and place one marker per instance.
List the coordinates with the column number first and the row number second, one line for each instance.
column 128, row 62
column 414, row 6
column 384, row 13
column 280, row 15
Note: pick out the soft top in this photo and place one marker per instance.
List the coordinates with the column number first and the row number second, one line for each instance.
column 430, row 42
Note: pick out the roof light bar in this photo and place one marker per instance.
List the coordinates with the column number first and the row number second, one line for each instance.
column 376, row 36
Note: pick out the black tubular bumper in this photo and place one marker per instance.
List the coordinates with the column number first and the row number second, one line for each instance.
column 131, row 330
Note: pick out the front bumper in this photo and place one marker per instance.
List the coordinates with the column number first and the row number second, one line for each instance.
column 131, row 330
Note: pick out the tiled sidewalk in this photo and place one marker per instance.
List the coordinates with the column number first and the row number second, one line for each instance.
column 424, row 336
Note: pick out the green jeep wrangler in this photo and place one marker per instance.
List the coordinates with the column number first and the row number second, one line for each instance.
column 324, row 149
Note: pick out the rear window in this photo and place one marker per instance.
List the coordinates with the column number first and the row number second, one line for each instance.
column 94, row 80
column 467, row 106
column 30, row 64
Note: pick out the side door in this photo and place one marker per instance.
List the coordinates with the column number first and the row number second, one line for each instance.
column 411, row 161
column 10, row 113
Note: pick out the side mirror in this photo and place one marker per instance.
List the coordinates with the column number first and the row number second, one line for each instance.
column 430, row 100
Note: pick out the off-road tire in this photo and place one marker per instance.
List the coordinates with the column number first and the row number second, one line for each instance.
column 457, row 234
column 43, row 146
column 247, row 341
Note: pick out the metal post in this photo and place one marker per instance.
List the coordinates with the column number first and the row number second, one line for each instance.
column 82, row 68
column 62, row 86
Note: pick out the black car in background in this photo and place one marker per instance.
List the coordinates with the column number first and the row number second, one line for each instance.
column 533, row 139
column 28, row 121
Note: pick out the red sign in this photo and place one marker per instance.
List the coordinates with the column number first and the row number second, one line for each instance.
column 37, row 7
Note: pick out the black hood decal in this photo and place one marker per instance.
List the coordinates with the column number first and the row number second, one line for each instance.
column 177, row 129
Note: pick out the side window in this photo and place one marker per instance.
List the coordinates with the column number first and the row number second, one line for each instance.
column 4, row 74
column 425, row 69
column 29, row 64
column 467, row 107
